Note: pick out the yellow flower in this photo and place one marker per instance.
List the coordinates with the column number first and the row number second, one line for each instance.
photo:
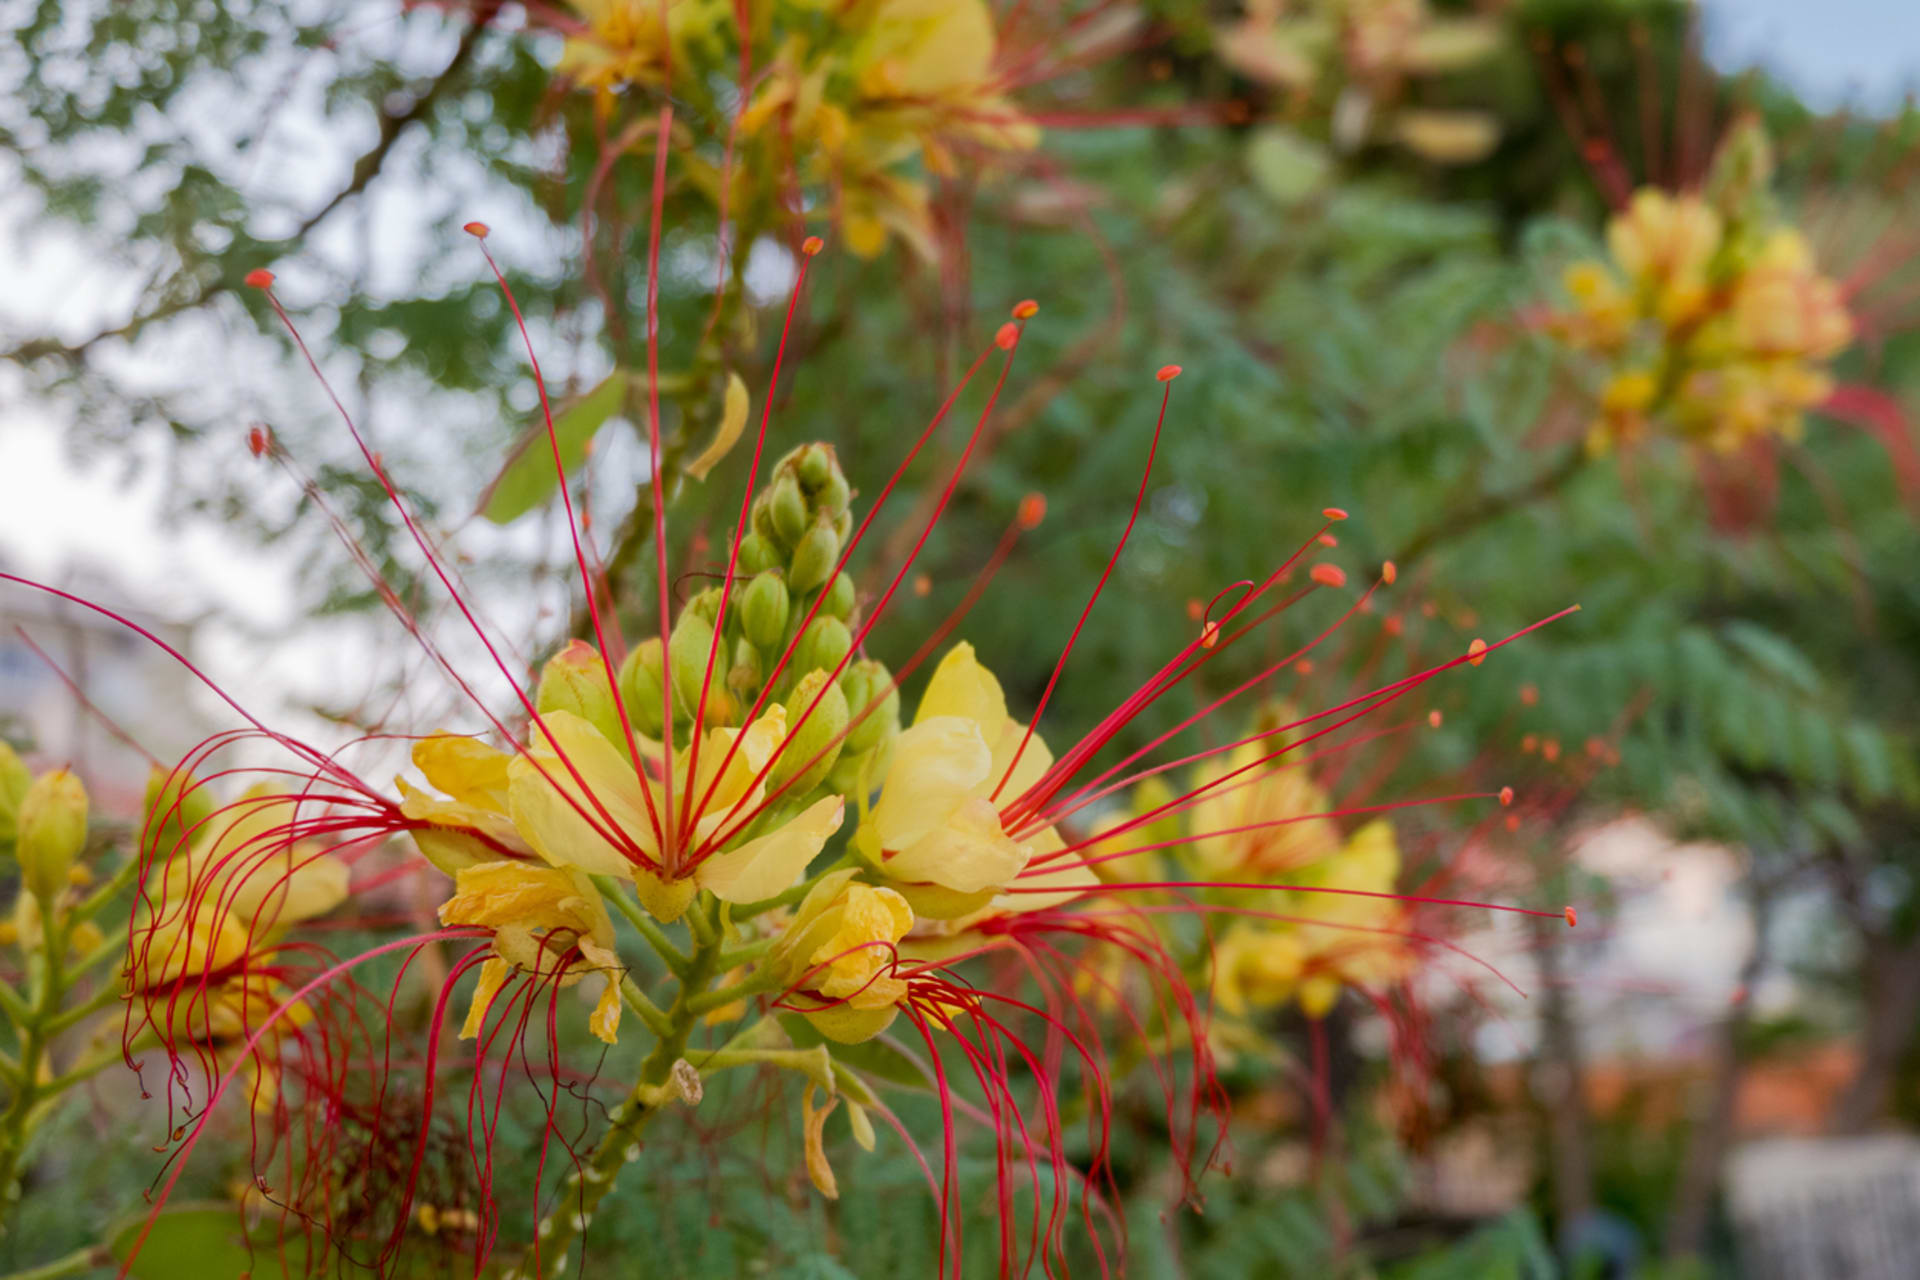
column 539, row 916
column 1258, row 798
column 243, row 882
column 1665, row 245
column 1343, row 939
column 577, row 799
column 936, row 828
column 840, row 947
column 625, row 42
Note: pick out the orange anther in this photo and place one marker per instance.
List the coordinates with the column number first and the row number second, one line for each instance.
column 1334, row 513
column 1026, row 310
column 1477, row 651
column 1168, row 372
column 478, row 230
column 259, row 278
column 1304, row 666
column 1530, row 694
column 1328, row 575
column 812, row 245
column 1210, row 634
column 1434, row 718
column 1033, row 509
column 1573, row 918
column 1008, row 335
column 259, row 440
column 922, row 585
column 1388, row 572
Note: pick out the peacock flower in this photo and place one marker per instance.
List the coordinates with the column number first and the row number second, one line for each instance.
column 1665, row 245
column 617, row 43
column 1269, row 820
column 547, row 922
column 1351, row 934
column 838, row 954
column 242, row 881
column 582, row 804
column 935, row 830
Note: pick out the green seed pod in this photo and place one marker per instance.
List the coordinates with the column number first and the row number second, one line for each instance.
column 871, row 680
column 687, row 651
column 840, row 598
column 764, row 607
column 576, row 679
column 821, row 646
column 15, row 778
column 813, row 559
column 642, row 685
column 819, row 734
column 815, row 465
column 789, row 509
column 53, row 829
column 757, row 554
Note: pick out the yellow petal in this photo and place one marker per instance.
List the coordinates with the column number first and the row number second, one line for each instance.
column 814, row 1125
column 1319, row 994
column 570, row 826
column 1054, row 882
column 769, row 864
column 968, row 853
column 493, row 976
column 466, row 769
column 962, row 687
column 605, row 1020
column 936, row 766
column 733, row 417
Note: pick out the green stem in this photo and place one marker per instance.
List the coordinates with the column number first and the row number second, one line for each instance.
column 556, row 1233
column 734, row 957
column 94, row 1255
column 648, row 1012
column 101, row 896
column 48, row 987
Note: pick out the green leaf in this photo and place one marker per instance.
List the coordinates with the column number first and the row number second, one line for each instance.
column 196, row 1240
column 529, row 478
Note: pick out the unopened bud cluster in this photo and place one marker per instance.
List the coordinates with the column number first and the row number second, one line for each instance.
column 785, row 638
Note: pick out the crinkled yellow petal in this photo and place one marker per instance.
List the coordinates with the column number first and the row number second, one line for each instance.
column 605, row 1020
column 813, row 1124
column 574, row 826
column 962, row 687
column 493, row 976
column 769, row 864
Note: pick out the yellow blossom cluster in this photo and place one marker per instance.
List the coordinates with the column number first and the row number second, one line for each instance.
column 1708, row 318
column 861, row 101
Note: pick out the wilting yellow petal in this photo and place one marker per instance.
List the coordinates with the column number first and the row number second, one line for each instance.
column 605, row 1020
column 733, row 417
column 813, row 1124
column 769, row 864
column 493, row 976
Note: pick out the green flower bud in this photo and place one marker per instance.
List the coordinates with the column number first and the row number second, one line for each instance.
column 840, row 598
column 813, row 559
column 764, row 607
column 821, row 646
column 843, row 524
column 789, row 509
column 834, row 496
column 747, row 672
column 851, row 775
column 815, row 464
column 53, row 829
column 763, row 520
column 176, row 811
column 865, row 682
column 757, row 554
column 642, row 686
column 706, row 606
column 576, row 679
column 15, row 778
column 819, row 734
column 687, row 650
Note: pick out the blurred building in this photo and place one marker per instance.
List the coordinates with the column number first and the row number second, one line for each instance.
column 134, row 687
